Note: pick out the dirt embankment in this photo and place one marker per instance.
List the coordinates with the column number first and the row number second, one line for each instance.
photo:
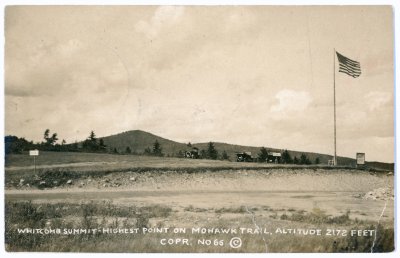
column 224, row 180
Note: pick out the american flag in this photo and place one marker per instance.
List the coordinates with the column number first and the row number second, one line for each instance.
column 348, row 66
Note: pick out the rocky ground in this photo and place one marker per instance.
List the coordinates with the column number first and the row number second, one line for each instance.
column 380, row 194
column 266, row 179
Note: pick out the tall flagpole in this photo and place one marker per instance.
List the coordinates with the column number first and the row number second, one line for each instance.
column 334, row 106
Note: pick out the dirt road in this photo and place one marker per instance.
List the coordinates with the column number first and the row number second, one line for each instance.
column 333, row 191
column 334, row 203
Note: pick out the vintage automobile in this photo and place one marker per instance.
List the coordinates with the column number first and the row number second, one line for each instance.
column 244, row 157
column 192, row 154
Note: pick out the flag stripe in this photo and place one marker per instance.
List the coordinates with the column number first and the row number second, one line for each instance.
column 352, row 65
column 348, row 66
column 351, row 74
column 349, row 70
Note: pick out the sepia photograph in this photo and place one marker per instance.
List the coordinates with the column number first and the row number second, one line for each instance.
column 199, row 128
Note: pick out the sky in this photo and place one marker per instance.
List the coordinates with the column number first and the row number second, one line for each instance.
column 248, row 75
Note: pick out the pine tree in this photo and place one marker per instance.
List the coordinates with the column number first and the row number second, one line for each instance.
column 286, row 158
column 225, row 155
column 46, row 135
column 157, row 150
column 49, row 141
column 304, row 160
column 92, row 137
column 212, row 153
column 102, row 146
column 90, row 144
column 263, row 155
column 53, row 139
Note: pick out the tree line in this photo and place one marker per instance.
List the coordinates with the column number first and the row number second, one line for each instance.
column 50, row 142
column 286, row 158
column 16, row 145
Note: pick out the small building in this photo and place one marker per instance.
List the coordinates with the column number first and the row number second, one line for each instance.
column 274, row 157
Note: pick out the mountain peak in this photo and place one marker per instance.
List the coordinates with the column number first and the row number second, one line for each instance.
column 139, row 140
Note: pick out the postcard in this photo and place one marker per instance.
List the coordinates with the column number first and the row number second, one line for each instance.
column 199, row 129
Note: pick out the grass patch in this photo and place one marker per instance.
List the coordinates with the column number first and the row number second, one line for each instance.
column 240, row 209
column 106, row 214
column 318, row 217
column 20, row 215
column 190, row 208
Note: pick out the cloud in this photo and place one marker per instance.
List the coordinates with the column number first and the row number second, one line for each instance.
column 42, row 67
column 377, row 99
column 197, row 74
column 58, row 68
column 164, row 16
column 291, row 100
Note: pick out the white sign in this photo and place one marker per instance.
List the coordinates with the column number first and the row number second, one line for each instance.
column 360, row 158
column 33, row 153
